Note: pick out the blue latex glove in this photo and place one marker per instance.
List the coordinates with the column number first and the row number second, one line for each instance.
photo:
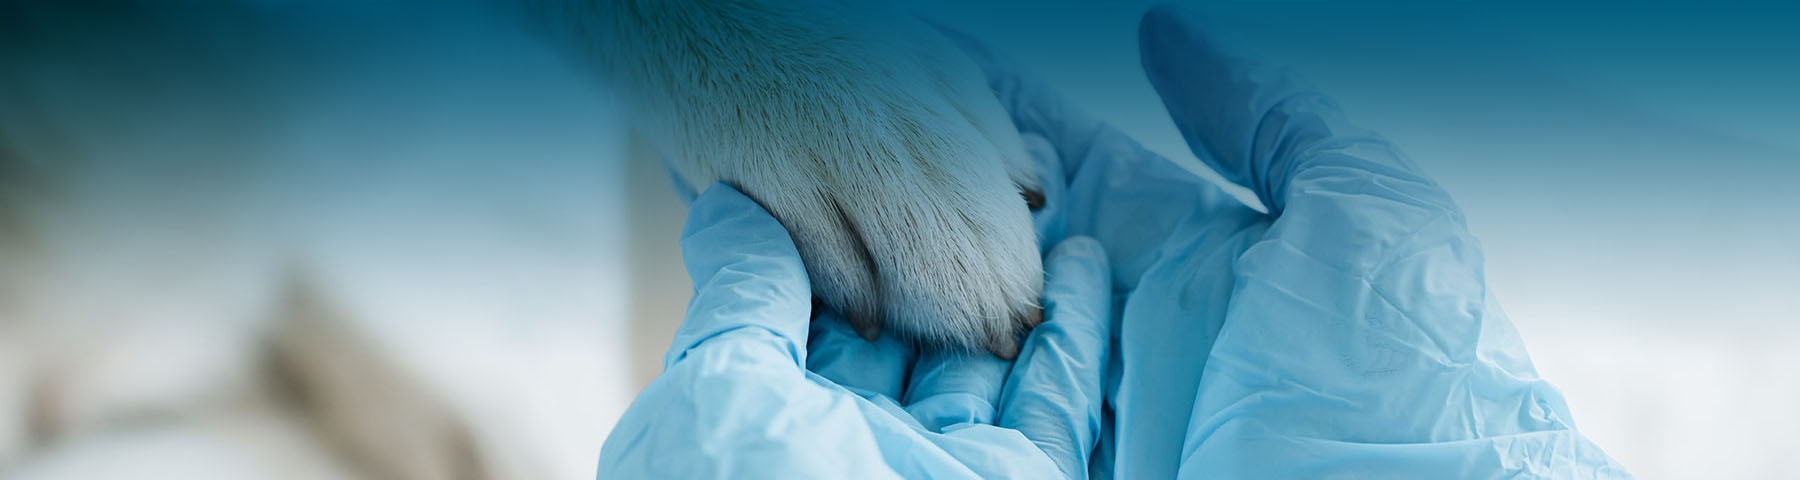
column 737, row 399
column 1346, row 333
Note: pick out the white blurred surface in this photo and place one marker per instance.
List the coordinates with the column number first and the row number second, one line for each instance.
column 450, row 187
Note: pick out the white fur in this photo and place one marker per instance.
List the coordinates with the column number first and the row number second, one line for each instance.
column 870, row 136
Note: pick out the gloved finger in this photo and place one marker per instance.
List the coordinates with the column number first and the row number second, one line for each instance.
column 836, row 352
column 1034, row 107
column 952, row 388
column 746, row 273
column 1259, row 125
column 1056, row 388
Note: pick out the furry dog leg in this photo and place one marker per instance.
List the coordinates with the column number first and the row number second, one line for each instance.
column 871, row 137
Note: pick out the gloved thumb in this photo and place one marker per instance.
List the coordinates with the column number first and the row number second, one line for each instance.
column 1055, row 391
column 746, row 272
column 1239, row 115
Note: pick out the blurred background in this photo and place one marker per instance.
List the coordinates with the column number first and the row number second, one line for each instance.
column 334, row 239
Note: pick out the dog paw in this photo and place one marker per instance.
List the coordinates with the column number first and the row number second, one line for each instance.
column 914, row 221
column 879, row 146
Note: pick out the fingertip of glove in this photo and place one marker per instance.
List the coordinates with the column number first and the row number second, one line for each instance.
column 715, row 204
column 744, row 267
column 1175, row 49
column 1079, row 279
column 723, row 225
column 1159, row 16
column 1085, row 250
column 1162, row 25
column 1078, row 287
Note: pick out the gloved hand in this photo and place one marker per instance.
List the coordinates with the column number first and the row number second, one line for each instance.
column 1347, row 332
column 737, row 399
